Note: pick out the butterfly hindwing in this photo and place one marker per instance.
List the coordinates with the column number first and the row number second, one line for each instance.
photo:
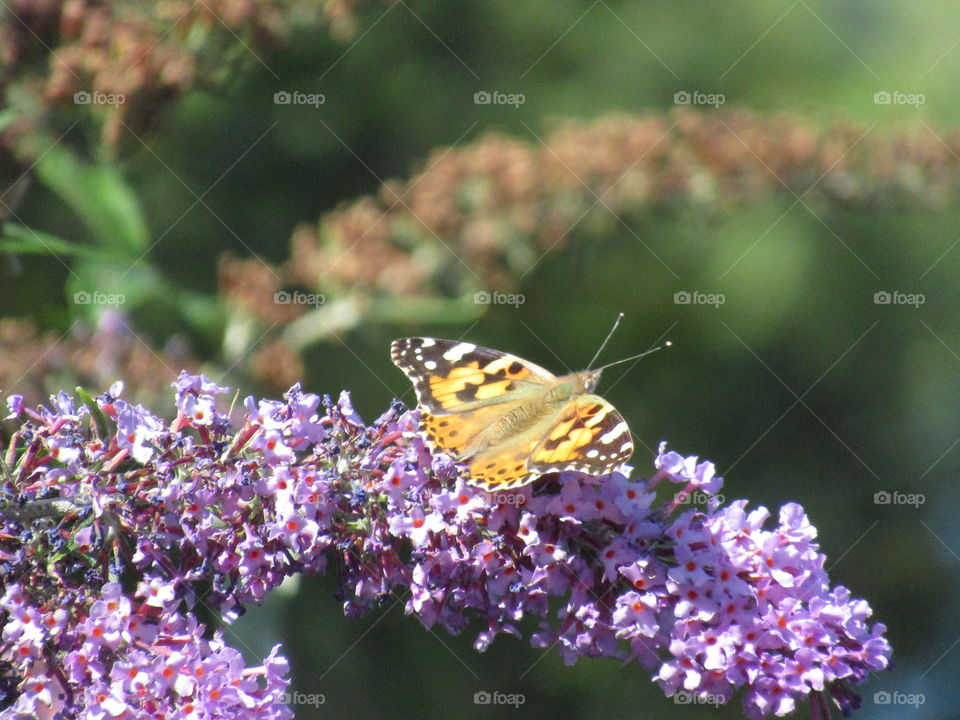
column 459, row 433
column 504, row 467
column 589, row 435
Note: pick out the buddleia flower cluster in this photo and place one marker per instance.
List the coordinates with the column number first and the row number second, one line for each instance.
column 120, row 530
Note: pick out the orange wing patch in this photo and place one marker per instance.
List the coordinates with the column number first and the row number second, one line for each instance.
column 446, row 390
column 460, row 434
column 470, row 382
column 566, row 448
column 503, row 468
column 509, row 366
column 446, row 432
column 574, row 430
column 590, row 436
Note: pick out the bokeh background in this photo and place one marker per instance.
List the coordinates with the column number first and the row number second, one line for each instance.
column 771, row 186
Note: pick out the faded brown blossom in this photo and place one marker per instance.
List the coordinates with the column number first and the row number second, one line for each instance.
column 277, row 365
column 249, row 286
column 36, row 363
column 147, row 55
column 479, row 216
column 497, row 204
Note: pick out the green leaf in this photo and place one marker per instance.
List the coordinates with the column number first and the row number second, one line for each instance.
column 100, row 196
column 99, row 418
column 23, row 240
column 6, row 117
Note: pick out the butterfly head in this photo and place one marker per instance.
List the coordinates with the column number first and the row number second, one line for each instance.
column 588, row 380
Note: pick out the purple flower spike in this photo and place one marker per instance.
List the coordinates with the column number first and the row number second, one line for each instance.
column 717, row 603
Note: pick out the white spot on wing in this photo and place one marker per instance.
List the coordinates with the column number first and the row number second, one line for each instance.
column 458, row 351
column 430, row 364
column 428, row 342
column 596, row 419
column 619, row 430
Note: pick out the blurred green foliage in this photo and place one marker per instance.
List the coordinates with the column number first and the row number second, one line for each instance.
column 800, row 387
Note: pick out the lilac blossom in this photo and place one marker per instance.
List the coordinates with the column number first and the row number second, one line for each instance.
column 714, row 602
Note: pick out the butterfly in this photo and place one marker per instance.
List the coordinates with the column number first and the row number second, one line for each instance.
column 510, row 420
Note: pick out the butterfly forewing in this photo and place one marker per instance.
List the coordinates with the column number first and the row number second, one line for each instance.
column 451, row 376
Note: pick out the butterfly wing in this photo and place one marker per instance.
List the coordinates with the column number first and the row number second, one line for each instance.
column 453, row 377
column 505, row 466
column 588, row 435
column 472, row 397
column 465, row 390
column 461, row 434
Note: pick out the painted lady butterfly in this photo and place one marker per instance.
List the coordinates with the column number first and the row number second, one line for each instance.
column 511, row 421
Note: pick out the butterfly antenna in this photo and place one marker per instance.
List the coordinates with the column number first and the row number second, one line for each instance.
column 637, row 357
column 606, row 340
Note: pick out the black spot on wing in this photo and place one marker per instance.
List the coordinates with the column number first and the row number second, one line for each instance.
column 468, row 393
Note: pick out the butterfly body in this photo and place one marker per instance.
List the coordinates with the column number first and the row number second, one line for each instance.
column 509, row 419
